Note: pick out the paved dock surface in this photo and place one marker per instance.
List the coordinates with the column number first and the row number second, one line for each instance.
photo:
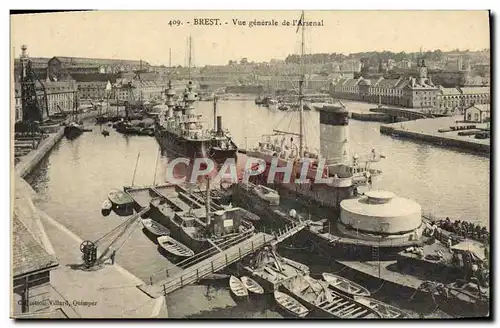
column 112, row 288
column 30, row 160
column 427, row 130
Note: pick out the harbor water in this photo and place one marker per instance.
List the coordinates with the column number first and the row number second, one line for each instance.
column 75, row 178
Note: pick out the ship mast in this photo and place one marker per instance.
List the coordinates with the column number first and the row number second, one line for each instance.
column 189, row 57
column 207, row 200
column 301, row 91
column 140, row 83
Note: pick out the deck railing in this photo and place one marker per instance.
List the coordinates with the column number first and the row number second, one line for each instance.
column 216, row 263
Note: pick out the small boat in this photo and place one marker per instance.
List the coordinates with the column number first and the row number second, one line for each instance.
column 105, row 133
column 106, row 207
column 252, row 285
column 385, row 310
column 120, row 198
column 174, row 247
column 290, row 304
column 155, row 228
column 344, row 285
column 237, row 287
column 73, row 130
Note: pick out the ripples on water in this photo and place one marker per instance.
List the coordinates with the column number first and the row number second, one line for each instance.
column 76, row 177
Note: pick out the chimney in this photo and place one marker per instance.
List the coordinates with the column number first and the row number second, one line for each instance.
column 219, row 124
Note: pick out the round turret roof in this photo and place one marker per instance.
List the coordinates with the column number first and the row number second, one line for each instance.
column 379, row 196
column 379, row 204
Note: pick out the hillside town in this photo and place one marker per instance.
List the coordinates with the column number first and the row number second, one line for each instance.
column 433, row 80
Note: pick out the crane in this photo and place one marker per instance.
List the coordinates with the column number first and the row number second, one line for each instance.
column 109, row 241
column 34, row 105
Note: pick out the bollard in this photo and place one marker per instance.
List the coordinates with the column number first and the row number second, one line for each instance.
column 151, row 280
column 164, row 290
column 212, row 264
column 166, row 272
column 252, row 247
column 181, row 281
column 226, row 258
column 197, row 275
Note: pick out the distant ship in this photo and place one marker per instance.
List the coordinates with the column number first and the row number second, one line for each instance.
column 180, row 131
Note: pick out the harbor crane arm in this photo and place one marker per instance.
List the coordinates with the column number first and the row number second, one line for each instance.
column 89, row 248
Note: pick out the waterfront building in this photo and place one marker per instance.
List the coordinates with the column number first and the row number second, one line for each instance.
column 409, row 92
column 460, row 97
column 38, row 65
column 92, row 90
column 421, row 91
column 475, row 95
column 145, row 90
column 31, row 267
column 418, row 91
column 58, row 66
column 477, row 113
column 61, row 97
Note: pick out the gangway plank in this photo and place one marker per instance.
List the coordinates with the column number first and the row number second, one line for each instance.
column 214, row 244
column 218, row 261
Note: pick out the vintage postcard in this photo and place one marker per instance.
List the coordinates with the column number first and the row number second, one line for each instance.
column 250, row 164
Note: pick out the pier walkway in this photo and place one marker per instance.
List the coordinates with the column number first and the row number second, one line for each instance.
column 225, row 255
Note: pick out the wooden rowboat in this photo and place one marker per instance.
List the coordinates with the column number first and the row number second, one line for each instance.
column 344, row 285
column 174, row 247
column 237, row 287
column 119, row 198
column 252, row 285
column 385, row 310
column 155, row 228
column 290, row 304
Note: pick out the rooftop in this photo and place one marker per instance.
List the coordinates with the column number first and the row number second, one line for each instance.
column 27, row 254
column 98, row 61
column 387, row 83
column 481, row 107
column 449, row 91
column 475, row 90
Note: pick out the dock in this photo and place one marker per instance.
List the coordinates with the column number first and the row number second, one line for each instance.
column 31, row 157
column 427, row 130
column 222, row 258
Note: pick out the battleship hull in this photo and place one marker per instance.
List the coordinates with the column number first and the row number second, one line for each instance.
column 318, row 198
column 174, row 147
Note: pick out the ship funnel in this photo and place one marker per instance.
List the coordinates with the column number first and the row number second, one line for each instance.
column 219, row 124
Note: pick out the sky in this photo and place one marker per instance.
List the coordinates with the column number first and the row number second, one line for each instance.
column 148, row 35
